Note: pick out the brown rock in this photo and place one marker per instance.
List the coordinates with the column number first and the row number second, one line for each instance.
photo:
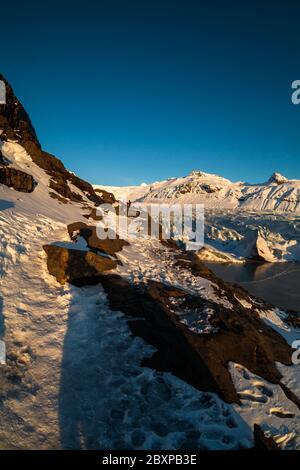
column 199, row 359
column 263, row 442
column 15, row 124
column 17, row 179
column 109, row 245
column 76, row 266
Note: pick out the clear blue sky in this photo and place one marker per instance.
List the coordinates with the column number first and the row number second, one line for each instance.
column 126, row 91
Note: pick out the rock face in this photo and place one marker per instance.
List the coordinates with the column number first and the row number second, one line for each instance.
column 263, row 442
column 14, row 120
column 278, row 179
column 16, row 179
column 199, row 359
column 16, row 125
column 109, row 246
column 3, row 160
column 76, row 266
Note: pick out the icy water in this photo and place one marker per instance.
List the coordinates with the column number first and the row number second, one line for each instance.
column 277, row 283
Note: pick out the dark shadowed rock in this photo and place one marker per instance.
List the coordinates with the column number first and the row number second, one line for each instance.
column 277, row 178
column 15, row 124
column 262, row 441
column 199, row 359
column 16, row 179
column 238, row 334
column 3, row 160
column 109, row 198
column 14, row 121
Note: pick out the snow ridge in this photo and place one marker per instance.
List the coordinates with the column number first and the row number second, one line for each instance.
column 277, row 194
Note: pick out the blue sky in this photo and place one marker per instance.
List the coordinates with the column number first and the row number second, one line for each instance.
column 127, row 91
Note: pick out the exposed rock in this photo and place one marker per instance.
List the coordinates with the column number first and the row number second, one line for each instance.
column 89, row 233
column 208, row 253
column 109, row 198
column 59, row 198
column 14, row 121
column 3, row 160
column 93, row 215
column 262, row 441
column 59, row 185
column 15, row 124
column 199, row 359
column 293, row 318
column 210, row 188
column 17, row 179
column 278, row 179
column 76, row 266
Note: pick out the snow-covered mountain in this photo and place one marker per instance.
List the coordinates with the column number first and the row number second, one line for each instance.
column 242, row 221
column 125, row 343
column 277, row 194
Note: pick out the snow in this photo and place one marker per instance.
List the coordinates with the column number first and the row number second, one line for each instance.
column 39, row 201
column 265, row 404
column 130, row 193
column 150, row 260
column 275, row 319
column 277, row 194
column 234, row 213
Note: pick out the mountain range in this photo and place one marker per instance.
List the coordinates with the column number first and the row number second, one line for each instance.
column 278, row 194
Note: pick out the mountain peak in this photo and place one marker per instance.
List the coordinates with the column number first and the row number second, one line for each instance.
column 16, row 126
column 197, row 173
column 14, row 120
column 277, row 178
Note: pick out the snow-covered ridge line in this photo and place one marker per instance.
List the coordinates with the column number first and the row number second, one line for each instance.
column 277, row 194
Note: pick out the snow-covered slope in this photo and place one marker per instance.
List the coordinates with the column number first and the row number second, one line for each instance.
column 277, row 194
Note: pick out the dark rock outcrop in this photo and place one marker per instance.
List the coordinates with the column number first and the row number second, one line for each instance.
column 109, row 245
column 76, row 266
column 237, row 334
column 15, row 124
column 16, row 179
column 263, row 442
column 108, row 197
column 14, row 120
column 199, row 359
column 3, row 160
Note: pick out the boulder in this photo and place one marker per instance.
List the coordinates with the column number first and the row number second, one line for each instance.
column 17, row 179
column 109, row 245
column 76, row 266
